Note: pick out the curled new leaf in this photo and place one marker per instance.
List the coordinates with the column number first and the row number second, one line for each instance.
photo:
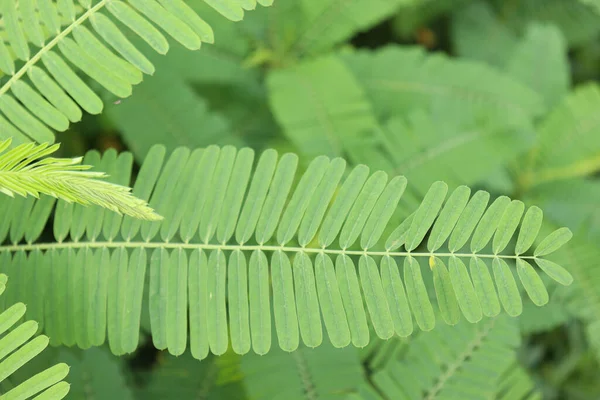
column 25, row 170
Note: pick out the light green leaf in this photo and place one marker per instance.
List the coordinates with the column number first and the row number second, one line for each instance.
column 553, row 242
column 444, row 291
column 284, row 303
column 396, row 297
column 319, row 201
column 426, row 214
column 484, row 287
column 278, row 194
column 347, row 195
column 375, row 298
column 362, row 207
column 237, row 292
column 532, row 283
column 507, row 288
column 398, row 237
column 555, row 271
column 309, row 317
column 382, row 212
column 330, row 299
column 489, row 223
column 294, row 212
column 350, row 291
column 463, row 288
column 448, row 217
column 260, row 309
column 417, row 294
column 530, row 227
column 507, row 225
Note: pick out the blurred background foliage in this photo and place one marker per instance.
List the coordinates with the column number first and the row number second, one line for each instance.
column 496, row 94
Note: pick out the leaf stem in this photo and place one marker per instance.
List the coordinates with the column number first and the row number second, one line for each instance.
column 241, row 247
column 33, row 60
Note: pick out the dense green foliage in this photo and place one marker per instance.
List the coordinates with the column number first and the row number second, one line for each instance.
column 359, row 199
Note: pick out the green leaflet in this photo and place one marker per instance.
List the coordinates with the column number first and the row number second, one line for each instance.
column 425, row 215
column 375, row 298
column 417, row 294
column 362, row 207
column 284, row 302
column 350, row 291
column 468, row 220
column 507, row 225
column 529, row 229
column 320, row 200
column 237, row 290
column 330, row 299
column 484, row 287
column 555, row 271
column 347, row 195
column 507, row 287
column 532, row 283
column 217, row 330
column 464, row 290
column 396, row 297
column 256, row 196
column 444, row 292
column 278, row 193
column 198, row 300
column 309, row 318
column 382, row 212
column 553, row 242
column 398, row 237
column 448, row 217
column 260, row 314
column 290, row 221
column 488, row 223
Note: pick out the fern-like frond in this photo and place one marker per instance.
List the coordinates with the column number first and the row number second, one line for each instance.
column 325, row 104
column 17, row 348
column 516, row 384
column 44, row 94
column 568, row 139
column 241, row 242
column 26, row 171
column 323, row 373
column 397, row 79
column 464, row 361
column 184, row 377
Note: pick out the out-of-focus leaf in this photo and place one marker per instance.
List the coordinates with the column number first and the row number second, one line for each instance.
column 568, row 142
column 397, row 79
column 478, row 34
column 540, row 62
column 320, row 106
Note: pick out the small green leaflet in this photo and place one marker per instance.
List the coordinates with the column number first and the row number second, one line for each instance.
column 425, row 215
column 553, row 242
column 532, row 283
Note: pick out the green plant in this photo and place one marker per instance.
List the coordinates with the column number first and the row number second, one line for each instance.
column 333, row 180
column 18, row 342
column 25, row 171
column 242, row 212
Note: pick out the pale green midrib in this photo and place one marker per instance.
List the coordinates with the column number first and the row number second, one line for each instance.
column 231, row 247
column 33, row 60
